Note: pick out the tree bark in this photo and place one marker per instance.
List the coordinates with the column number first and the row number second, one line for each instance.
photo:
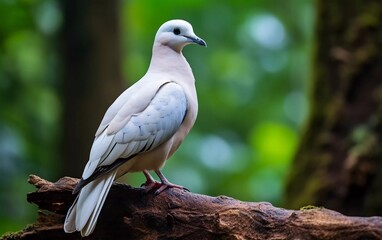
column 92, row 77
column 130, row 213
column 339, row 161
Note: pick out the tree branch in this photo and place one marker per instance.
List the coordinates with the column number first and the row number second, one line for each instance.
column 129, row 213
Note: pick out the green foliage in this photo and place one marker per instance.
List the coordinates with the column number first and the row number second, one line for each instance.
column 29, row 115
column 251, row 84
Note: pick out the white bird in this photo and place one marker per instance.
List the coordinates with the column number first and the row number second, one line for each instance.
column 142, row 128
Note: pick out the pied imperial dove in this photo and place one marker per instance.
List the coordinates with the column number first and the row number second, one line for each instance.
column 142, row 128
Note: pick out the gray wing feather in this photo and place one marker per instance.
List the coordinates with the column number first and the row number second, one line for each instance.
column 132, row 100
column 143, row 131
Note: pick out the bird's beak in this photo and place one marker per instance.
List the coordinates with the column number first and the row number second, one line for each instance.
column 197, row 40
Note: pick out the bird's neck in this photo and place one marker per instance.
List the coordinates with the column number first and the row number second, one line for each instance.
column 165, row 59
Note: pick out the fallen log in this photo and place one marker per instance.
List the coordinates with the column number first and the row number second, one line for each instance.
column 130, row 213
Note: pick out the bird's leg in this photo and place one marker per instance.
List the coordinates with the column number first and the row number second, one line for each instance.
column 166, row 184
column 150, row 182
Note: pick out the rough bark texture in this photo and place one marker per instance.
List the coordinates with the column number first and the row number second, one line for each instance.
column 339, row 161
column 129, row 213
column 92, row 78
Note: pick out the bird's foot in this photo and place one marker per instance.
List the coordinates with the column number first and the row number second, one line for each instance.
column 163, row 185
column 150, row 182
column 166, row 184
column 149, row 185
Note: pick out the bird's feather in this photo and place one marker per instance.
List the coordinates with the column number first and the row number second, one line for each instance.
column 144, row 131
column 90, row 202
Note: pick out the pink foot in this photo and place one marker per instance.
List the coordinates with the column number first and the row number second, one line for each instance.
column 163, row 185
column 150, row 182
column 166, row 184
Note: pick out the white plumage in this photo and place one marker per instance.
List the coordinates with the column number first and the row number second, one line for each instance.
column 142, row 128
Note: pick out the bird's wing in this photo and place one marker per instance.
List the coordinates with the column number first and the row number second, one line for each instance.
column 137, row 127
column 113, row 109
column 135, row 98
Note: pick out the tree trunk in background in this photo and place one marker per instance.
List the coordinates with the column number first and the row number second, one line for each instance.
column 339, row 161
column 91, row 74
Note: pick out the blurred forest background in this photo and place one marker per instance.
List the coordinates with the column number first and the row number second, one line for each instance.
column 62, row 63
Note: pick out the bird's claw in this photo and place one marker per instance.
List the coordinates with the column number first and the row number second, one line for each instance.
column 165, row 186
column 149, row 185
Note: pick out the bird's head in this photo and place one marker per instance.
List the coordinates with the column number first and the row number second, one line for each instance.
column 176, row 34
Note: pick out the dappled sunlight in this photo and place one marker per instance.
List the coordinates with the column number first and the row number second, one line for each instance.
column 215, row 153
column 274, row 142
column 267, row 31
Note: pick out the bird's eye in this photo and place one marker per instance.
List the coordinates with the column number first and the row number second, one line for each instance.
column 176, row 31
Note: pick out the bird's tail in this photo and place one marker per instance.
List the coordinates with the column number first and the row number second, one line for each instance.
column 83, row 214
